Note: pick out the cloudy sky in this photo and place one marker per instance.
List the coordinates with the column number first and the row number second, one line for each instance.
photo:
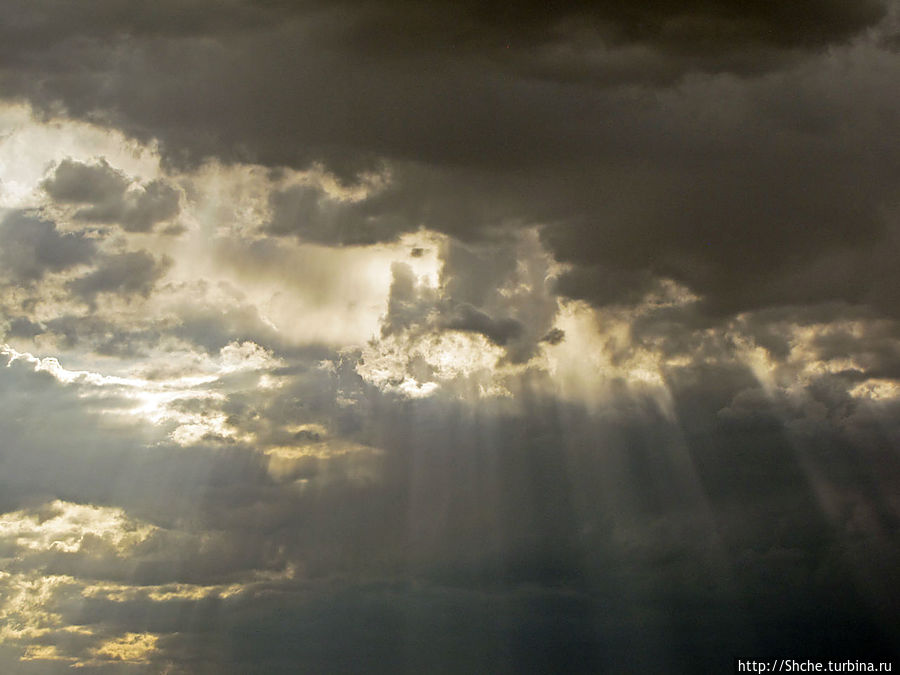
column 378, row 336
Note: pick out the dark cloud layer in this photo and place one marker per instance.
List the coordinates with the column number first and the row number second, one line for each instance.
column 693, row 27
column 721, row 144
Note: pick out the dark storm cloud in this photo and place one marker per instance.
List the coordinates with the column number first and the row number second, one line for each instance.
column 743, row 149
column 32, row 247
column 606, row 284
column 694, row 26
column 467, row 108
column 699, row 29
column 106, row 193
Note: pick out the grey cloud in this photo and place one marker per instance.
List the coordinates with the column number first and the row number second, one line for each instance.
column 157, row 202
column 473, row 274
column 313, row 216
column 23, row 327
column 29, row 455
column 74, row 182
column 500, row 289
column 125, row 274
column 101, row 335
column 603, row 285
column 108, row 193
column 464, row 317
column 32, row 247
column 554, row 336
column 212, row 327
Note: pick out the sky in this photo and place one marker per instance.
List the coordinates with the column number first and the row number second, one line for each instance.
column 377, row 336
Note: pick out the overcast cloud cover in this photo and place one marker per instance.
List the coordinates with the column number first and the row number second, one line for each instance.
column 387, row 337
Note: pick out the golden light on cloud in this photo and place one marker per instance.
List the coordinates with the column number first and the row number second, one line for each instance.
column 877, row 390
column 44, row 653
column 64, row 526
column 130, row 647
column 419, row 366
column 27, row 610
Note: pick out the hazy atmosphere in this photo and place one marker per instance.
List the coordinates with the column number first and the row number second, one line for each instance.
column 453, row 337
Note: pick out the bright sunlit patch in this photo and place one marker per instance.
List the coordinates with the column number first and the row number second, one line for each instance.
column 805, row 355
column 312, row 293
column 161, row 593
column 187, row 402
column 596, row 352
column 44, row 653
column 314, row 453
column 411, row 388
column 64, row 526
column 27, row 604
column 238, row 357
column 209, row 427
column 130, row 647
column 877, row 390
column 418, row 366
column 52, row 366
column 305, row 292
column 756, row 358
